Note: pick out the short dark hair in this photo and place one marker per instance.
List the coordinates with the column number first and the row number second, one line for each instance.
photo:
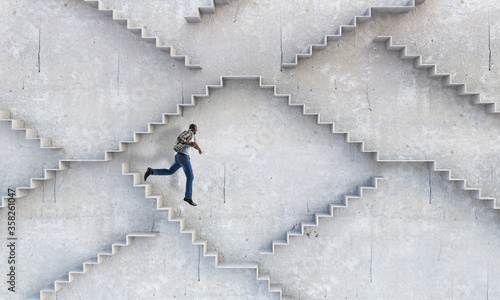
column 192, row 126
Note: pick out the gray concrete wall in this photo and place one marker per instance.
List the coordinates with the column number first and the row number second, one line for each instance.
column 86, row 82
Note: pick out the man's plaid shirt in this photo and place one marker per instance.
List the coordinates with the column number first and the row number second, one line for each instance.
column 185, row 136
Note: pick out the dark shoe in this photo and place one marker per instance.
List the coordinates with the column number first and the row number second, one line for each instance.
column 190, row 201
column 149, row 171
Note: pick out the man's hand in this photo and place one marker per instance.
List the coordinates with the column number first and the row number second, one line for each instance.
column 194, row 145
column 197, row 148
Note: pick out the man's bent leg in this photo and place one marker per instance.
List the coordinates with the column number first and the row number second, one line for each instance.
column 173, row 168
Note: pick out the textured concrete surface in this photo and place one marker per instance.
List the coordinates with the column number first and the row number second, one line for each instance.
column 85, row 72
column 86, row 82
column 72, row 218
column 265, row 144
column 16, row 148
column 170, row 267
column 403, row 246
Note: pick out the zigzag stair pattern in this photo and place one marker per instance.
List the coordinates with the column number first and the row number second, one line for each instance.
column 51, row 173
column 446, row 80
column 446, row 173
column 460, row 183
column 195, row 239
column 21, row 192
column 63, row 164
column 58, row 284
column 208, row 9
column 331, row 207
column 351, row 26
column 116, row 16
column 31, row 133
column 108, row 154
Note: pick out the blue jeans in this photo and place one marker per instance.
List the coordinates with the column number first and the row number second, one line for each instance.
column 184, row 162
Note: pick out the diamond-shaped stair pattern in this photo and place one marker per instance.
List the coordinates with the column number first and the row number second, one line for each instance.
column 268, row 169
column 195, row 240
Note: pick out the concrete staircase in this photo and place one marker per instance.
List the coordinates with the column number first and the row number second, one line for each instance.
column 446, row 79
column 141, row 32
column 72, row 275
column 31, row 133
column 317, row 216
column 365, row 17
column 265, row 171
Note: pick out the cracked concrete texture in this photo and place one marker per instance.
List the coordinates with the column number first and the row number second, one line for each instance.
column 86, row 82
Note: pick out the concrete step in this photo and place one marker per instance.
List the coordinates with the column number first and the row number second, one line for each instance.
column 200, row 7
column 108, row 155
column 204, row 7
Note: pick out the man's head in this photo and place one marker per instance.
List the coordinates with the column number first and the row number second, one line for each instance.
column 194, row 128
